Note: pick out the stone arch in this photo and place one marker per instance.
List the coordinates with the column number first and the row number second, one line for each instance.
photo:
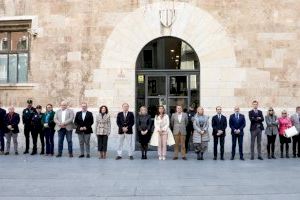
column 193, row 25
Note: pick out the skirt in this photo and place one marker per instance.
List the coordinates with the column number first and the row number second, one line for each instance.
column 144, row 139
column 154, row 138
column 284, row 139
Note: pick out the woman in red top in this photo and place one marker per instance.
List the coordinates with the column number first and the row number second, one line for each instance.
column 284, row 123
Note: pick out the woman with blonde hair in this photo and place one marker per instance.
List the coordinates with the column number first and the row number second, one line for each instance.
column 271, row 132
column 162, row 135
column 200, row 135
column 143, row 126
column 284, row 123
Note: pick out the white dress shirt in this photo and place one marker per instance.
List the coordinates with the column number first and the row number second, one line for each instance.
column 179, row 117
column 63, row 116
column 83, row 115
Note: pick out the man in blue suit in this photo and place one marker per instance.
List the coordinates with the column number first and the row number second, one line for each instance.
column 237, row 124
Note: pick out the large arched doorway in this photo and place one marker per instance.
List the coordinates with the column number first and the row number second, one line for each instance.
column 167, row 73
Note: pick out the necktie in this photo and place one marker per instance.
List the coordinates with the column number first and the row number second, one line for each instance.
column 220, row 117
column 236, row 116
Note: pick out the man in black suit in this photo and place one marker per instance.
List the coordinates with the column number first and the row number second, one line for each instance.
column 83, row 122
column 125, row 122
column 189, row 129
column 219, row 125
column 256, row 118
column 237, row 124
column 2, row 129
column 12, row 121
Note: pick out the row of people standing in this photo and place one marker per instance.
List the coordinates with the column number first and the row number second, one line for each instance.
column 44, row 125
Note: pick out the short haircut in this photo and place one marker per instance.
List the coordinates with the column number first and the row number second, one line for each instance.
column 254, row 101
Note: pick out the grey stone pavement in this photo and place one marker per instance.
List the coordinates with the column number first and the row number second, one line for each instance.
column 39, row 177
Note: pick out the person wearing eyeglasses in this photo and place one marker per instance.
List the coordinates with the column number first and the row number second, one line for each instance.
column 284, row 123
column 271, row 132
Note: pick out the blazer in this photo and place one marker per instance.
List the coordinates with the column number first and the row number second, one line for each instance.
column 68, row 120
column 237, row 124
column 272, row 125
column 51, row 122
column 219, row 124
column 103, row 125
column 179, row 127
column 87, row 122
column 27, row 115
column 256, row 123
column 200, row 123
column 2, row 120
column 284, row 123
column 296, row 121
column 125, row 122
column 13, row 121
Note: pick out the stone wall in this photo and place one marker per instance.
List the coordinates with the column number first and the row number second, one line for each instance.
column 86, row 50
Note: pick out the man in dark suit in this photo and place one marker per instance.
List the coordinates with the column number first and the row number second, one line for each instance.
column 237, row 124
column 125, row 122
column 189, row 129
column 83, row 122
column 2, row 129
column 256, row 118
column 219, row 125
column 12, row 121
column 27, row 115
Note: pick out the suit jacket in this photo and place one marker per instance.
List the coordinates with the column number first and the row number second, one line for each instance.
column 13, row 121
column 237, row 124
column 87, row 122
column 219, row 124
column 2, row 119
column 27, row 115
column 256, row 123
column 103, row 125
column 125, row 122
column 296, row 121
column 68, row 119
column 272, row 125
column 179, row 127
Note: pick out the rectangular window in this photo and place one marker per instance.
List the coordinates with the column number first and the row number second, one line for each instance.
column 14, row 54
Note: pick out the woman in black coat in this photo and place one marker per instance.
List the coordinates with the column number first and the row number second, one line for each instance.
column 144, row 130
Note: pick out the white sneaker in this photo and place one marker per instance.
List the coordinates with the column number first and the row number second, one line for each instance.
column 164, row 158
column 160, row 158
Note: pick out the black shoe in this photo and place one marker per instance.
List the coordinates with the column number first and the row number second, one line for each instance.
column 88, row 156
column 184, row 158
column 130, row 157
column 260, row 158
column 273, row 157
column 232, row 158
column 222, row 158
column 287, row 156
column 201, row 156
column 281, row 155
column 6, row 153
column 294, row 156
column 175, row 158
column 198, row 156
column 269, row 157
column 42, row 153
column 16, row 153
column 242, row 158
column 26, row 152
column 146, row 157
column 58, row 155
column 70, row 155
column 81, row 156
column 33, row 153
column 118, row 158
column 215, row 158
column 252, row 158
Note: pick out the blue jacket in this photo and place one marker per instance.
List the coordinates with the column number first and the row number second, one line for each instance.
column 239, row 123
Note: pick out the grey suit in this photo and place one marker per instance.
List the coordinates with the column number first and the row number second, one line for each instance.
column 296, row 139
column 179, row 126
column 179, row 132
column 68, row 119
column 67, row 131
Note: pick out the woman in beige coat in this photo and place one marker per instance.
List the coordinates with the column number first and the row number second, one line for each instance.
column 103, row 128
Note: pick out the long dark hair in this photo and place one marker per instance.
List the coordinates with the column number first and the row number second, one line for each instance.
column 103, row 106
column 157, row 113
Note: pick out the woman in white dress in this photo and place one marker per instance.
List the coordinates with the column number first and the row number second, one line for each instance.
column 162, row 135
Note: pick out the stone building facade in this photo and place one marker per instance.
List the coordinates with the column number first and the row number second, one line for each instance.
column 87, row 50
